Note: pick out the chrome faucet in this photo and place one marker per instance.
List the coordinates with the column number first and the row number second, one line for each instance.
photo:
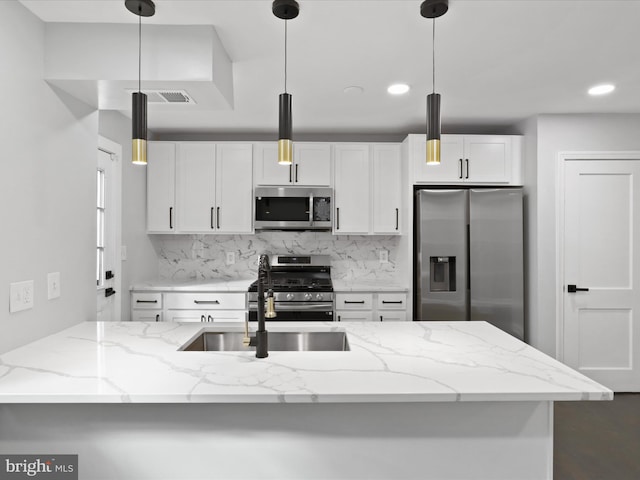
column 260, row 340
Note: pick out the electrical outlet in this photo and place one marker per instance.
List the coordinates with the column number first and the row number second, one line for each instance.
column 53, row 285
column 21, row 296
column 231, row 258
column 384, row 256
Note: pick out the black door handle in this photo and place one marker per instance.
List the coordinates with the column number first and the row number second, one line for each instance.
column 109, row 291
column 574, row 289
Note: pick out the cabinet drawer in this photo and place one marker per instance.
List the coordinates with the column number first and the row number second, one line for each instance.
column 205, row 301
column 354, row 316
column 141, row 300
column 392, row 301
column 146, row 316
column 392, row 316
column 354, row 301
column 206, row 316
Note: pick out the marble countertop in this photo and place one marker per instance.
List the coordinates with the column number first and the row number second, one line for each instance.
column 210, row 285
column 400, row 362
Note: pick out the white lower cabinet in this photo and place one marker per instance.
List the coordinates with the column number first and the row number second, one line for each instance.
column 188, row 306
column 371, row 306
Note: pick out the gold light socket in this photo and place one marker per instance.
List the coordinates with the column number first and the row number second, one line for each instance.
column 433, row 152
column 271, row 309
column 285, row 152
column 139, row 152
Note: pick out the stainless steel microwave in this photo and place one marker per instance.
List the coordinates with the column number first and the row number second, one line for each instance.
column 292, row 208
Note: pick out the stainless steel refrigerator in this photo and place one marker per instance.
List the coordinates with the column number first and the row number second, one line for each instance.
column 469, row 256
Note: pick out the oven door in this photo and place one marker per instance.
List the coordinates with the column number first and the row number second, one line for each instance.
column 296, row 312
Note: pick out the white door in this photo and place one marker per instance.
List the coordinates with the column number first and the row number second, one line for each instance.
column 195, row 187
column 601, row 329
column 107, row 220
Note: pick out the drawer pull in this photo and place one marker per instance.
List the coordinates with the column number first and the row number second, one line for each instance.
column 202, row 318
column 146, row 301
column 209, row 318
column 358, row 302
column 158, row 317
column 206, row 302
column 381, row 318
column 392, row 301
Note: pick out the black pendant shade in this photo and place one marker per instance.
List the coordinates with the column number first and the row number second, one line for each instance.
column 141, row 8
column 285, row 10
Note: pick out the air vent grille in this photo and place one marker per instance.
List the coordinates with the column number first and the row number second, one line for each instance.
column 166, row 96
column 175, row 97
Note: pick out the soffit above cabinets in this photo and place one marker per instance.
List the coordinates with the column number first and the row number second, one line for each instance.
column 98, row 63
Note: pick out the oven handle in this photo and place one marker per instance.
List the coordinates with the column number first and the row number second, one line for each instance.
column 289, row 307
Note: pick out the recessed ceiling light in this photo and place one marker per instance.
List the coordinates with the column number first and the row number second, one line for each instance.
column 602, row 89
column 398, row 89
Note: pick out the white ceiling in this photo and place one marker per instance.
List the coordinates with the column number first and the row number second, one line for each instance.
column 498, row 62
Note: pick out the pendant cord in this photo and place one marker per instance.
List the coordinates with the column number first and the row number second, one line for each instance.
column 139, row 50
column 285, row 56
column 434, row 55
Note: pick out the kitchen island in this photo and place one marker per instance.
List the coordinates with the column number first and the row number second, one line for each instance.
column 408, row 400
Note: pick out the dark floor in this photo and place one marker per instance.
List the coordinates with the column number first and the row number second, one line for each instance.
column 597, row 440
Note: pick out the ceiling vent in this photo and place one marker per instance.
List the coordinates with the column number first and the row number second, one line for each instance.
column 166, row 96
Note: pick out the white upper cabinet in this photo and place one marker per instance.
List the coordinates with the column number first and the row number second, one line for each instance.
column 476, row 159
column 386, row 189
column 311, row 165
column 234, row 192
column 367, row 189
column 161, row 172
column 352, row 189
column 209, row 185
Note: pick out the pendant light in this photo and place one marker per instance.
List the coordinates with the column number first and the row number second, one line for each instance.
column 141, row 8
column 433, row 9
column 286, row 10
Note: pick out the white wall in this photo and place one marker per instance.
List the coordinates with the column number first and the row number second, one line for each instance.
column 47, row 187
column 142, row 262
column 565, row 133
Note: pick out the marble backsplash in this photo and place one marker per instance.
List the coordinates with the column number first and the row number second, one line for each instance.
column 202, row 257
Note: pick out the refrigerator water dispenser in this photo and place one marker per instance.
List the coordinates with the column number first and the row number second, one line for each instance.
column 443, row 274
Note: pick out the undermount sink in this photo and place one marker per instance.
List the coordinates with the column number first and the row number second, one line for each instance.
column 278, row 341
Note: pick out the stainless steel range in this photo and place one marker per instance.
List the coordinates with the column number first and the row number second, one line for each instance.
column 301, row 286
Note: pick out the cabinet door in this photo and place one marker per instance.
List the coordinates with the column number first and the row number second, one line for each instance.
column 392, row 316
column 451, row 159
column 268, row 170
column 195, row 187
column 354, row 301
column 354, row 316
column 352, row 189
column 487, row 158
column 234, row 181
column 161, row 187
column 312, row 164
column 386, row 189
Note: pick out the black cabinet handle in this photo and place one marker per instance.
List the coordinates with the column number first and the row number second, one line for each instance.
column 460, row 164
column 146, row 301
column 158, row 317
column 381, row 318
column 218, row 217
column 467, row 162
column 296, row 181
column 392, row 301
column 397, row 218
column 202, row 319
column 339, row 318
column 109, row 291
column 170, row 217
column 209, row 318
column 211, row 219
column 206, row 302
column 338, row 218
column 574, row 289
column 290, row 173
column 360, row 302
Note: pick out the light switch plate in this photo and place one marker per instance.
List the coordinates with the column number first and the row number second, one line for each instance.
column 384, row 256
column 231, row 258
column 21, row 296
column 53, row 285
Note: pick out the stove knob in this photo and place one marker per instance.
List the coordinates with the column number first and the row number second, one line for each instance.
column 290, row 296
column 308, row 296
column 319, row 297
